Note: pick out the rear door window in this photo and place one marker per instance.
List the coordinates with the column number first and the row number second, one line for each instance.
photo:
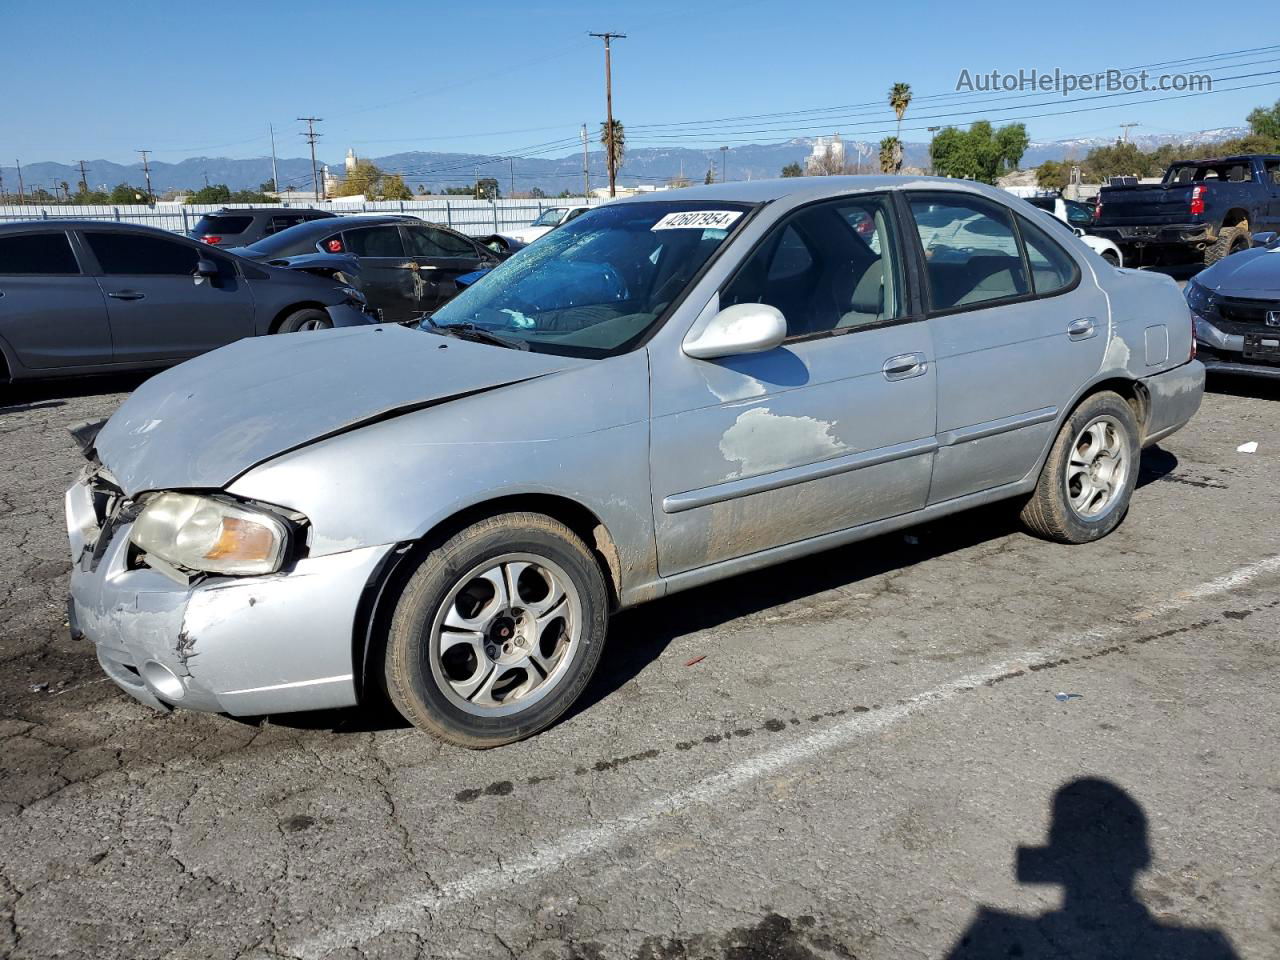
column 133, row 254
column 374, row 242
column 1052, row 269
column 970, row 249
column 40, row 254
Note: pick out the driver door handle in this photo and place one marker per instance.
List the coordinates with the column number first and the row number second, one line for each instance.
column 905, row 366
column 127, row 295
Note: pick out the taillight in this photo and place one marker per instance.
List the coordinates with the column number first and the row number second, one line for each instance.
column 1097, row 208
column 334, row 245
column 211, row 239
column 1197, row 198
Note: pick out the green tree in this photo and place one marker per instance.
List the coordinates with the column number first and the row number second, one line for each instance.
column 899, row 99
column 890, row 155
column 619, row 146
column 92, row 197
column 979, row 153
column 487, row 188
column 793, row 170
column 537, row 193
column 1265, row 121
column 214, row 193
column 710, row 177
column 1053, row 175
column 1120, row 159
column 268, row 186
column 362, row 179
column 252, row 196
column 122, row 194
column 392, row 187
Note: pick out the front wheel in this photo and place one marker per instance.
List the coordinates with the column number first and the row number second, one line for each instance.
column 1087, row 481
column 1111, row 257
column 308, row 318
column 498, row 631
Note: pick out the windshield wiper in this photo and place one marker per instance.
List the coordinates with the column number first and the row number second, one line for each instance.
column 477, row 334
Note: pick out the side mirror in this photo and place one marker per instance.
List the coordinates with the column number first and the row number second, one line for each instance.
column 742, row 328
column 206, row 268
column 1079, row 231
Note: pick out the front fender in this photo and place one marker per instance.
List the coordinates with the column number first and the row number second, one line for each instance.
column 581, row 435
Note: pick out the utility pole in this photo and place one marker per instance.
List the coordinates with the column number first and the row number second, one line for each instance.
column 146, row 172
column 275, row 177
column 611, row 154
column 1125, row 127
column 586, row 176
column 84, row 178
column 724, row 164
column 312, row 136
column 511, row 168
column 21, row 192
column 932, row 130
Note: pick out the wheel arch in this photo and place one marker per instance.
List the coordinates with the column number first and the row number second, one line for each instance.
column 1235, row 216
column 373, row 614
column 293, row 308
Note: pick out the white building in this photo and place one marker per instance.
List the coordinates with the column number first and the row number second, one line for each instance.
column 827, row 149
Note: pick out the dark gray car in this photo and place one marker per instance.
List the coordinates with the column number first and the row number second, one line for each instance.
column 1236, row 306
column 81, row 296
column 240, row 226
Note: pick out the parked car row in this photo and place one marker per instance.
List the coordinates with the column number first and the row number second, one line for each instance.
column 663, row 392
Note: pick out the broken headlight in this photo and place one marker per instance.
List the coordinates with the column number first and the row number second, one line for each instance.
column 210, row 535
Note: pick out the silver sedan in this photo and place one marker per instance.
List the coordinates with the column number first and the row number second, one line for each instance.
column 666, row 391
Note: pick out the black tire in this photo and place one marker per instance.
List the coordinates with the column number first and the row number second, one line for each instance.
column 308, row 318
column 411, row 683
column 1230, row 240
column 1049, row 512
column 1111, row 258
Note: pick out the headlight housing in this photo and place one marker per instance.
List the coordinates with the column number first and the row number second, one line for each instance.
column 210, row 535
column 354, row 295
column 1198, row 299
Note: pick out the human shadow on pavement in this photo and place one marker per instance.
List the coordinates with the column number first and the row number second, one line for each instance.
column 1097, row 846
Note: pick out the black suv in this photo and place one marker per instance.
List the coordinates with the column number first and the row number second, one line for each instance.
column 241, row 226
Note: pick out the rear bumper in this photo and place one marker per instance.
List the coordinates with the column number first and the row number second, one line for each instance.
column 1167, row 235
column 244, row 646
column 1175, row 398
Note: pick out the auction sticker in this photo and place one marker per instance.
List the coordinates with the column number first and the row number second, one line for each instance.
column 697, row 220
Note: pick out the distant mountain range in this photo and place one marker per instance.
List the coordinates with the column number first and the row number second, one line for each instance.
column 642, row 165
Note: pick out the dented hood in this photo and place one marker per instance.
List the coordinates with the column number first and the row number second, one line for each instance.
column 1254, row 274
column 202, row 424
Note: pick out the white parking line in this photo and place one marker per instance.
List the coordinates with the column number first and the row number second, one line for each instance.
column 583, row 843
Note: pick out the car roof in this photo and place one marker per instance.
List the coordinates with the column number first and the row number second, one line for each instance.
column 266, row 211
column 1237, row 158
column 81, row 223
column 811, row 188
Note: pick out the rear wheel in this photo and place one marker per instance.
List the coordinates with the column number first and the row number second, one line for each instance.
column 308, row 318
column 1230, row 240
column 497, row 632
column 1085, row 486
column 1111, row 258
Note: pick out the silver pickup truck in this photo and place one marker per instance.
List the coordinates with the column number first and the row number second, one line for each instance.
column 666, row 391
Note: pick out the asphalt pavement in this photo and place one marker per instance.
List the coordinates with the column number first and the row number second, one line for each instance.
column 961, row 741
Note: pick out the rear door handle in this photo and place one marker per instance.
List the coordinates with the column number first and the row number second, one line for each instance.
column 1082, row 329
column 904, row 366
column 127, row 295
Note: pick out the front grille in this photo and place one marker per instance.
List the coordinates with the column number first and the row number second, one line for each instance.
column 1239, row 317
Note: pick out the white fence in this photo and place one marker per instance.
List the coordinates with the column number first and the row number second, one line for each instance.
column 475, row 217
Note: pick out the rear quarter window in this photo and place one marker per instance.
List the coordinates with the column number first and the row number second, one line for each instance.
column 41, row 254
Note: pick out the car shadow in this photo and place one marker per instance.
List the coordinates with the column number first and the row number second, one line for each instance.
column 1098, row 844
column 1237, row 385
column 639, row 636
column 35, row 394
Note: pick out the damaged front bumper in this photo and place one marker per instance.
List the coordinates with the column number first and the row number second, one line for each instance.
column 239, row 645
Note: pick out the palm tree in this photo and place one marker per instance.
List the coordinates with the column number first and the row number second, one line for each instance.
column 619, row 146
column 890, row 155
column 900, row 99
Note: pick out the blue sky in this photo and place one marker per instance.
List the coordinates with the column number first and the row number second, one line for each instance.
column 99, row 80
